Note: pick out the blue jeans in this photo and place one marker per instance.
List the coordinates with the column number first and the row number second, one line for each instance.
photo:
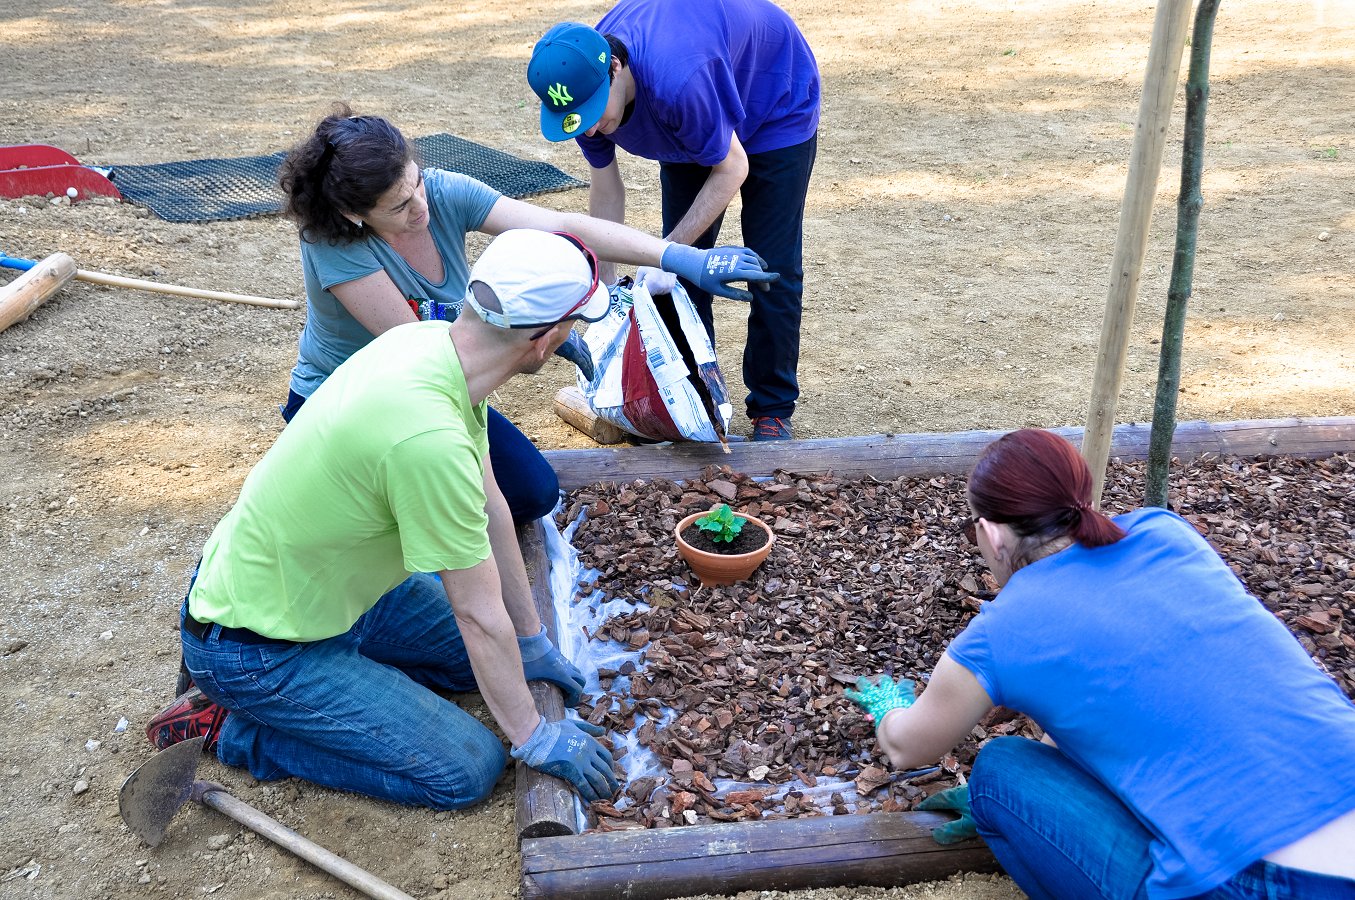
column 1060, row 833
column 773, row 226
column 529, row 484
column 357, row 712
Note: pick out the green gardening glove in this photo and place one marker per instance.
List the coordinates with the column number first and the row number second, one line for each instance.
column 880, row 696
column 957, row 799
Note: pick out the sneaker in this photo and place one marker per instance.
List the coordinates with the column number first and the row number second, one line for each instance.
column 191, row 715
column 771, row 428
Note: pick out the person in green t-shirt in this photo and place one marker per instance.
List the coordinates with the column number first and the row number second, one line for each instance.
column 314, row 652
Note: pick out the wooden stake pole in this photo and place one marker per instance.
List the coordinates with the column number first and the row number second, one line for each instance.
column 1183, row 259
column 1145, row 163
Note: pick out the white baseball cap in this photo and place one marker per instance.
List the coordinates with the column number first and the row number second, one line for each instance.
column 539, row 279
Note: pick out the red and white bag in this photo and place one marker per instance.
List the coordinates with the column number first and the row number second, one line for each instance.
column 655, row 373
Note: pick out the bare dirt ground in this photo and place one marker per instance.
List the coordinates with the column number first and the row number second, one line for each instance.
column 958, row 239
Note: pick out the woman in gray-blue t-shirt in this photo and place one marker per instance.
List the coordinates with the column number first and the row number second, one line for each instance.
column 383, row 242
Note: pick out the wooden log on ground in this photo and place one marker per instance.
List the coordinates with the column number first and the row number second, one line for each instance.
column 545, row 806
column 30, row 290
column 883, row 849
column 1313, row 438
column 572, row 407
column 926, row 455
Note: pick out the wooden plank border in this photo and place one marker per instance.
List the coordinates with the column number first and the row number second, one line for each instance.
column 867, row 849
column 888, row 456
column 545, row 806
column 886, row 849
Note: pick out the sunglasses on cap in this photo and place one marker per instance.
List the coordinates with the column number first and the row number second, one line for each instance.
column 498, row 319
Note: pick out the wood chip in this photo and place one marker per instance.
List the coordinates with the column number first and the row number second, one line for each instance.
column 867, row 572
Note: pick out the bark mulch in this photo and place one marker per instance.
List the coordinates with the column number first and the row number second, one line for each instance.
column 869, row 576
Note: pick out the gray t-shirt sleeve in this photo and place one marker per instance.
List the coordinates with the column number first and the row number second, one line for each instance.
column 340, row 263
column 463, row 201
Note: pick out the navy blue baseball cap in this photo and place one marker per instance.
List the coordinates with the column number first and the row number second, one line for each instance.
column 570, row 71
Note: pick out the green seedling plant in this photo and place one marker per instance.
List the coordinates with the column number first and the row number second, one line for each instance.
column 722, row 524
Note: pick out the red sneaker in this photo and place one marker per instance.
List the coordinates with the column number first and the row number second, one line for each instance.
column 771, row 428
column 191, row 715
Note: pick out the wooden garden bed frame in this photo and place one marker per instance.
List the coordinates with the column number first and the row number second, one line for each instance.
column 790, row 854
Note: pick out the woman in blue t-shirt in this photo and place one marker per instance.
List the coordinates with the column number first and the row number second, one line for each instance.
column 1173, row 705
column 383, row 242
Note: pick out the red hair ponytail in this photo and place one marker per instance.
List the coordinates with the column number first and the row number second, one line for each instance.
column 1038, row 484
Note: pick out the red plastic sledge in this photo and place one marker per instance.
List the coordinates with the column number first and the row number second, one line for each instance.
column 28, row 170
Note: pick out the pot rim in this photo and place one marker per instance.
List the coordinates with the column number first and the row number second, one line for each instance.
column 689, row 519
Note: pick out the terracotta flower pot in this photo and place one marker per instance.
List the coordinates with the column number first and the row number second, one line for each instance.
column 721, row 568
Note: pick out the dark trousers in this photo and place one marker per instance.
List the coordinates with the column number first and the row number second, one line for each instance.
column 528, row 482
column 773, row 227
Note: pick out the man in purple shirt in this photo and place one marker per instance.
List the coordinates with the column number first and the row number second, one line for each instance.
column 724, row 94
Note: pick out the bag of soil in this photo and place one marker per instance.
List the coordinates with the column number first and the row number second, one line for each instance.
column 655, row 372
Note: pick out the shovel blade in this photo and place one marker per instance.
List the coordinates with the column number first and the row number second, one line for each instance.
column 151, row 795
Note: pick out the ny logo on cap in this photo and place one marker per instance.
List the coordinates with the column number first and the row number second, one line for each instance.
column 559, row 94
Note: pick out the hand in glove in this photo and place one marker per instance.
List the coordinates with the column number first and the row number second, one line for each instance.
column 569, row 750
column 656, row 281
column 710, row 270
column 957, row 799
column 542, row 662
column 880, row 696
column 576, row 351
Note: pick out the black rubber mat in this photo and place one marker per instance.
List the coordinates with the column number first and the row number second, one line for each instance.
column 210, row 190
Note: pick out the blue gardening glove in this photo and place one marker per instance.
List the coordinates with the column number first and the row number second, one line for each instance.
column 880, row 696
column 576, row 351
column 957, row 799
column 711, row 269
column 542, row 662
column 569, row 750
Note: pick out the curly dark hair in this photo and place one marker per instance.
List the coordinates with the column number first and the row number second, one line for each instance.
column 345, row 166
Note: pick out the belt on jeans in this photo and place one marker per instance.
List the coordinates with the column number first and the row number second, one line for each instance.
column 240, row 635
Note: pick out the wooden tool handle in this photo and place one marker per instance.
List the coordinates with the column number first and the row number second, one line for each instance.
column 158, row 288
column 280, row 834
column 30, row 290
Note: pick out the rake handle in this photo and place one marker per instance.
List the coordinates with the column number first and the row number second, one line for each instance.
column 158, row 288
column 139, row 284
column 256, row 821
